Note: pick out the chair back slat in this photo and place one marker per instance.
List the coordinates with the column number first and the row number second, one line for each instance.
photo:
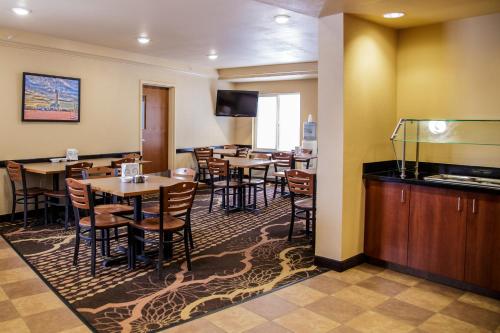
column 300, row 182
column 15, row 171
column 98, row 172
column 242, row 152
column 184, row 174
column 178, row 197
column 284, row 159
column 118, row 163
column 79, row 193
column 218, row 167
column 75, row 170
column 203, row 154
column 135, row 156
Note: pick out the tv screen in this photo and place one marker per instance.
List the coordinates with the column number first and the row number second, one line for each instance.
column 237, row 103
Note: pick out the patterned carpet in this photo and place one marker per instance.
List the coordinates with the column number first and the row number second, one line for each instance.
column 236, row 257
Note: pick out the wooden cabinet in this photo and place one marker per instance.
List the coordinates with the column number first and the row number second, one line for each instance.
column 386, row 226
column 482, row 264
column 437, row 231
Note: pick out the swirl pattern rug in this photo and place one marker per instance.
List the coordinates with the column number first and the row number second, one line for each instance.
column 236, row 257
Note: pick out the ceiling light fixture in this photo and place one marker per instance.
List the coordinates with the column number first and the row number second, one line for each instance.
column 281, row 19
column 213, row 56
column 394, row 15
column 144, row 39
column 20, row 11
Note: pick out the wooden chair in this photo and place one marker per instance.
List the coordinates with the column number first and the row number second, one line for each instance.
column 284, row 162
column 230, row 147
column 256, row 183
column 21, row 193
column 221, row 183
column 202, row 155
column 242, row 152
column 303, row 197
column 60, row 198
column 173, row 199
column 87, row 227
column 309, row 152
column 118, row 163
column 135, row 156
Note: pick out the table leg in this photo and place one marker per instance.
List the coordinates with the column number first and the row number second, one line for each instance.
column 240, row 190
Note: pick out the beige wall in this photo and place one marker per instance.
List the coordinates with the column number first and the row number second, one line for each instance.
column 308, row 90
column 110, row 104
column 451, row 71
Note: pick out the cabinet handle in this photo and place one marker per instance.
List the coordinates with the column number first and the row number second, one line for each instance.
column 474, row 206
column 402, row 196
column 459, row 204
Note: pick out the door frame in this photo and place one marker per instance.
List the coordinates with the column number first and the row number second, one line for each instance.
column 171, row 117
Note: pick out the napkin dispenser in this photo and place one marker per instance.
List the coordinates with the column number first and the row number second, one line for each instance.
column 72, row 154
column 130, row 169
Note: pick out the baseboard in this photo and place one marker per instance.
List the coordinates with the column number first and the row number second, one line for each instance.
column 337, row 265
column 433, row 277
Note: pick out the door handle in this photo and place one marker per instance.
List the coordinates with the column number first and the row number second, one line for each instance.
column 474, row 206
column 402, row 196
column 459, row 204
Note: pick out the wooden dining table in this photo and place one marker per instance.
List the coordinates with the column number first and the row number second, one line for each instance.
column 57, row 168
column 114, row 186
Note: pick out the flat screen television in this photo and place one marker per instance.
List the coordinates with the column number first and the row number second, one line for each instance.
column 237, row 103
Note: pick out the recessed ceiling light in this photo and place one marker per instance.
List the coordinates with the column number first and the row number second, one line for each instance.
column 213, row 56
column 144, row 39
column 20, row 11
column 394, row 15
column 281, row 19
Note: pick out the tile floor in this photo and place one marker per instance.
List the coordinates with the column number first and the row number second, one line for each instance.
column 362, row 299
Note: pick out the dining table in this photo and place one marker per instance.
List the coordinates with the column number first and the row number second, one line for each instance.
column 55, row 169
column 115, row 186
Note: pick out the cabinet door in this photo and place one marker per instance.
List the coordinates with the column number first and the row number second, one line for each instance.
column 437, row 231
column 386, row 221
column 483, row 241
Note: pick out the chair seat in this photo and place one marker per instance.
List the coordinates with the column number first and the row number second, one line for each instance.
column 32, row 191
column 304, row 203
column 170, row 223
column 55, row 194
column 105, row 221
column 279, row 174
column 113, row 209
column 223, row 183
column 254, row 181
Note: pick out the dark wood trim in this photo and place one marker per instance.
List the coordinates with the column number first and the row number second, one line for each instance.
column 339, row 266
column 433, row 277
column 191, row 149
column 81, row 157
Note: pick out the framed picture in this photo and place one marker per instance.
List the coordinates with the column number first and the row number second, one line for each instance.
column 50, row 98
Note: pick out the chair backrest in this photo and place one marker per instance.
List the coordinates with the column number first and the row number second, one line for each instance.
column 75, row 170
column 79, row 193
column 15, row 171
column 218, row 167
column 242, row 152
column 118, row 163
column 300, row 182
column 184, row 173
column 230, row 146
column 135, row 156
column 284, row 159
column 177, row 198
column 203, row 154
column 261, row 156
column 98, row 172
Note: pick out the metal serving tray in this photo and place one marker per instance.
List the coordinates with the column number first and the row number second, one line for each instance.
column 465, row 180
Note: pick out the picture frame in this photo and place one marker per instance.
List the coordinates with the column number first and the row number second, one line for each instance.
column 50, row 98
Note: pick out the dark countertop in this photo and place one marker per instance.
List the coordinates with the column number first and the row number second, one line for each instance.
column 375, row 171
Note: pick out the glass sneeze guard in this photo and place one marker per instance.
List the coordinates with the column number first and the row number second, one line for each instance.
column 443, row 131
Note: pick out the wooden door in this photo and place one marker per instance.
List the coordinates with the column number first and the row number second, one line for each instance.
column 437, row 231
column 155, row 128
column 386, row 221
column 483, row 241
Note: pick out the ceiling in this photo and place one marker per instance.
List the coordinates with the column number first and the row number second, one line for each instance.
column 242, row 32
column 418, row 12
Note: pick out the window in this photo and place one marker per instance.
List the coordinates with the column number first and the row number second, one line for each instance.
column 277, row 125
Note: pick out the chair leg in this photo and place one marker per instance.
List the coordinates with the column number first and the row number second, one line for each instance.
column 291, row 224
column 282, row 186
column 190, row 234
column 103, row 242
column 313, row 220
column 13, row 212
column 254, row 197
column 116, row 234
column 46, row 210
column 265, row 194
column 66, row 215
column 186, row 249
column 211, row 200
column 275, row 187
column 93, row 252
column 108, row 242
column 308, row 220
column 36, row 207
column 77, row 246
column 160, row 256
column 227, row 200
column 25, row 214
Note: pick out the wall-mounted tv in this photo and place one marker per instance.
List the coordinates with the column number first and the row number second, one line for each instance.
column 237, row 103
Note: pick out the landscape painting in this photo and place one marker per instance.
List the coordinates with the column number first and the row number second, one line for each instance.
column 50, row 98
